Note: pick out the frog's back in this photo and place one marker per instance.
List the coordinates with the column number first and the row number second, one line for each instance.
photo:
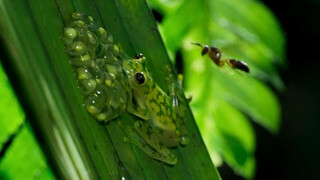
column 160, row 107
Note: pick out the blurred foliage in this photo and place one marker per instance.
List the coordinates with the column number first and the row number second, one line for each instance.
column 24, row 159
column 21, row 156
column 245, row 30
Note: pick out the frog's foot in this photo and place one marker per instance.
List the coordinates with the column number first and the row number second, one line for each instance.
column 147, row 139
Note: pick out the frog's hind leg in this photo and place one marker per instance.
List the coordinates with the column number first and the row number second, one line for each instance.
column 147, row 139
column 178, row 104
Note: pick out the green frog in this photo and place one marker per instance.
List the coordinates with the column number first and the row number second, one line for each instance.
column 112, row 83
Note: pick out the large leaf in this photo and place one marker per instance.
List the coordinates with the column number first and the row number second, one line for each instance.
column 17, row 141
column 244, row 30
column 75, row 144
column 11, row 115
column 24, row 159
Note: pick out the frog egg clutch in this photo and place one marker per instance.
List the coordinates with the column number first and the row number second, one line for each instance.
column 98, row 67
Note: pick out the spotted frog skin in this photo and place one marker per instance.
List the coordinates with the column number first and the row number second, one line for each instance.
column 112, row 84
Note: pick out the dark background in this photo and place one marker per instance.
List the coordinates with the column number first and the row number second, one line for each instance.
column 295, row 152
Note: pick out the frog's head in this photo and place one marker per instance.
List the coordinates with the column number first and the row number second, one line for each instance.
column 137, row 73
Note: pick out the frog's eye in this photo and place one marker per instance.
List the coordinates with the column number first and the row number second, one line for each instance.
column 140, row 78
column 138, row 56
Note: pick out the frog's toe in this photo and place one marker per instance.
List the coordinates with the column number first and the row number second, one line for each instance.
column 184, row 140
column 172, row 160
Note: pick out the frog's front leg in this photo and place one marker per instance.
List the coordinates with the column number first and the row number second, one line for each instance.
column 137, row 108
column 178, row 104
column 147, row 139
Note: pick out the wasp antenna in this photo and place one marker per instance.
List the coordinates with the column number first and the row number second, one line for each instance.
column 197, row 44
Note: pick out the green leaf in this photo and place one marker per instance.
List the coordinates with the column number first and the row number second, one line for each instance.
column 76, row 145
column 248, row 17
column 237, row 145
column 19, row 140
column 250, row 96
column 244, row 30
column 177, row 26
column 11, row 114
column 24, row 159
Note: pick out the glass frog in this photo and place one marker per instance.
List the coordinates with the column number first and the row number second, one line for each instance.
column 112, row 83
